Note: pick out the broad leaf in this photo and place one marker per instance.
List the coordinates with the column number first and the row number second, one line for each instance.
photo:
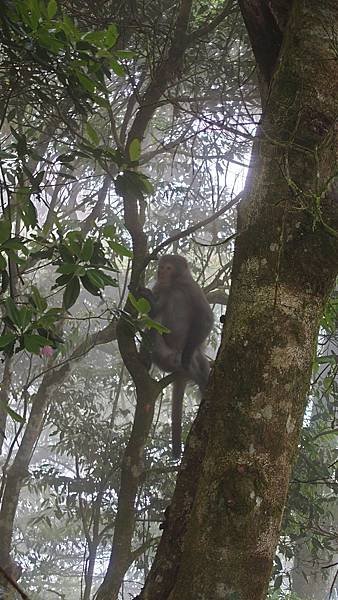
column 87, row 250
column 33, row 343
column 6, row 339
column 111, row 36
column 87, row 284
column 95, row 278
column 5, row 230
column 71, row 293
column 12, row 312
column 67, row 268
column 52, row 8
column 120, row 249
column 92, row 134
column 12, row 413
column 38, row 300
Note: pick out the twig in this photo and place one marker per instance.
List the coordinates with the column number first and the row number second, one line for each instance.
column 190, row 230
column 333, row 584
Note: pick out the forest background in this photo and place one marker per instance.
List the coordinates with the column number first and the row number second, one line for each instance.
column 126, row 132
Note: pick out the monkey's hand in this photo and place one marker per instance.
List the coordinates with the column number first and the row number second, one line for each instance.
column 143, row 292
column 146, row 293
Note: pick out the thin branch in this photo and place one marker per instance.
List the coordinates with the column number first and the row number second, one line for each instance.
column 205, row 29
column 333, row 584
column 193, row 228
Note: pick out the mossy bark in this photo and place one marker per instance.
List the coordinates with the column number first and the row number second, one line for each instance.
column 225, row 519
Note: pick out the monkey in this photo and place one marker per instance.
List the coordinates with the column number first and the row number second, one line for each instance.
column 178, row 303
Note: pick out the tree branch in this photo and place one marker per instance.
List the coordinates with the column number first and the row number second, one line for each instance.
column 193, row 228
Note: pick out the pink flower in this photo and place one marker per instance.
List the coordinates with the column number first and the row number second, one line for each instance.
column 47, row 351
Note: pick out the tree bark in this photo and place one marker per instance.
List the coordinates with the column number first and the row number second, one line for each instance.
column 286, row 259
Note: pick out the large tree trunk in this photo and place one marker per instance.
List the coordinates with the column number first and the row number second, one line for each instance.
column 223, row 528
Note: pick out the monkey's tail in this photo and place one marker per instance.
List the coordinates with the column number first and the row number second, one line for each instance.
column 179, row 386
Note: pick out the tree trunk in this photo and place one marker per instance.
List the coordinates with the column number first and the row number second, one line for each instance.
column 285, row 264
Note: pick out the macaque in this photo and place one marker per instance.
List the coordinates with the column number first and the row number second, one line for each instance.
column 178, row 303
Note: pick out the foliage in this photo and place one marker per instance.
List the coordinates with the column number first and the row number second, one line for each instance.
column 68, row 66
column 310, row 514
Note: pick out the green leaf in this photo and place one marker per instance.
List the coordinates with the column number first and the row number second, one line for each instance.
column 13, row 414
column 30, row 215
column 146, row 185
column 6, row 339
column 109, row 231
column 38, row 300
column 13, row 244
column 151, row 324
column 66, row 254
column 67, row 268
column 21, row 145
column 135, row 150
column 66, row 158
column 71, row 293
column 125, row 53
column 35, row 12
column 111, row 36
column 52, row 9
column 132, row 300
column 92, row 289
column 87, row 250
column 141, row 304
column 117, row 68
column 108, row 280
column 120, row 249
column 26, row 315
column 62, row 280
column 33, row 343
column 101, row 102
column 74, row 236
column 95, row 278
column 85, row 82
column 326, row 360
column 12, row 312
column 5, row 230
column 131, row 183
column 92, row 134
column 95, row 37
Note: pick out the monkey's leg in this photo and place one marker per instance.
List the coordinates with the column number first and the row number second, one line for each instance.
column 199, row 370
column 195, row 338
column 197, row 334
column 165, row 357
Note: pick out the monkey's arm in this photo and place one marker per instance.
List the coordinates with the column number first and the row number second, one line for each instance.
column 153, row 299
column 200, row 327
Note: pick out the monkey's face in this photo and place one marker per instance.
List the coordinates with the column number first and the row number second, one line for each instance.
column 165, row 273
